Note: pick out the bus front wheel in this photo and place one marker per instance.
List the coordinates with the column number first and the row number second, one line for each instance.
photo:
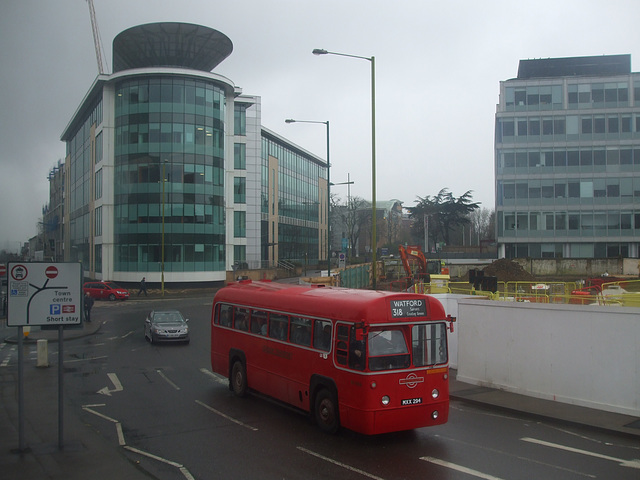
column 239, row 379
column 326, row 411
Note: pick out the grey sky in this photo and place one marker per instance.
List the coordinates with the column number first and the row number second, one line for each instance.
column 438, row 68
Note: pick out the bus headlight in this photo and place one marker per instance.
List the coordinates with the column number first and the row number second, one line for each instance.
column 434, row 414
column 385, row 400
column 435, row 393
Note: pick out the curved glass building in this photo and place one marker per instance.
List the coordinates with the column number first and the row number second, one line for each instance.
column 166, row 169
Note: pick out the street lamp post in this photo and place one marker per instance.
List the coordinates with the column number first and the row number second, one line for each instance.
column 348, row 183
column 291, row 120
column 320, row 51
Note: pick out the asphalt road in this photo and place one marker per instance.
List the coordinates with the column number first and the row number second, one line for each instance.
column 177, row 420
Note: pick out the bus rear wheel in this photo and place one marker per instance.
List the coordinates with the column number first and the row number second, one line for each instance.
column 326, row 411
column 239, row 379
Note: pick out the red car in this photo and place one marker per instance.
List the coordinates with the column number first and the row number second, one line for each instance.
column 105, row 290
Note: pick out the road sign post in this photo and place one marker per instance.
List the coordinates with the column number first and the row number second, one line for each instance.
column 41, row 294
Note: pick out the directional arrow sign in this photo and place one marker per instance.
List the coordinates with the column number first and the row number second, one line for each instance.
column 116, row 384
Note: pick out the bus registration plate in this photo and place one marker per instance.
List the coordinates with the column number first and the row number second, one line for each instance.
column 411, row 401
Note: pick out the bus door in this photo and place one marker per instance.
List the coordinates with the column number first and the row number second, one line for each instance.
column 350, row 346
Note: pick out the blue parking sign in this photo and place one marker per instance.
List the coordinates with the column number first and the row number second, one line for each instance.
column 55, row 309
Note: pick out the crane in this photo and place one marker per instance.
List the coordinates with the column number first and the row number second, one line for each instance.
column 96, row 36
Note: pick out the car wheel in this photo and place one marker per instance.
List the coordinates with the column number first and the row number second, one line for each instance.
column 112, row 297
column 239, row 379
column 326, row 411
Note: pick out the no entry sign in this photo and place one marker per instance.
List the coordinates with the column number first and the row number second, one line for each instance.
column 3, row 270
column 51, row 272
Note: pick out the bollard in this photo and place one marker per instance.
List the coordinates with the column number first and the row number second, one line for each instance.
column 43, row 353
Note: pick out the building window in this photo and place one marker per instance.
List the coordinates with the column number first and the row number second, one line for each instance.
column 99, row 150
column 240, row 156
column 98, row 222
column 239, row 190
column 98, row 185
column 239, row 120
column 239, row 224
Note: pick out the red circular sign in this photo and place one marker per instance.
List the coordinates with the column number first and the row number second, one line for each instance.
column 3, row 270
column 19, row 272
column 51, row 272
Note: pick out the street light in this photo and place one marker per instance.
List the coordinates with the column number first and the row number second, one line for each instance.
column 291, row 120
column 348, row 183
column 320, row 51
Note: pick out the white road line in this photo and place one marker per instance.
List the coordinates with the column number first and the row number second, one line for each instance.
column 5, row 362
column 127, row 334
column 224, row 415
column 623, row 463
column 88, row 359
column 340, row 464
column 121, row 441
column 86, row 408
column 215, row 376
column 459, row 468
column 166, row 379
column 179, row 466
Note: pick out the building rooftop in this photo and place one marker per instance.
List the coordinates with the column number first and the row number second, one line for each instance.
column 604, row 65
column 181, row 45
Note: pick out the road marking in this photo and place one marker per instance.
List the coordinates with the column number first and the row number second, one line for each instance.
column 87, row 408
column 459, row 468
column 635, row 463
column 116, row 383
column 339, row 464
column 215, row 376
column 224, row 415
column 127, row 334
column 83, row 359
column 161, row 373
column 121, row 441
column 179, row 466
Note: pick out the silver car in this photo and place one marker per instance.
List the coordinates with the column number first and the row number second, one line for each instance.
column 166, row 326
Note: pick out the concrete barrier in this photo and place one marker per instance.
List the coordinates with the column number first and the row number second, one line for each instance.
column 584, row 355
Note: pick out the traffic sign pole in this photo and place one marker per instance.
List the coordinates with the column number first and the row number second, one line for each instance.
column 41, row 293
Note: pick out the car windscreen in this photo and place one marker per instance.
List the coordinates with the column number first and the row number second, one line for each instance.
column 167, row 318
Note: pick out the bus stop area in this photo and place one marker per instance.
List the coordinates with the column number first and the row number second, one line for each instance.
column 86, row 450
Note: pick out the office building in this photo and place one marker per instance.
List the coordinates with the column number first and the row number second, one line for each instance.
column 169, row 174
column 567, row 159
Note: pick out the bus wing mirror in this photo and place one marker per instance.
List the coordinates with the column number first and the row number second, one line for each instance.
column 451, row 321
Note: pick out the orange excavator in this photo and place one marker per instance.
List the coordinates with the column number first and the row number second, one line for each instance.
column 412, row 254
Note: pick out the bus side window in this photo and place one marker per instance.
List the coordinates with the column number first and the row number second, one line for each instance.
column 300, row 332
column 259, row 322
column 278, row 326
column 224, row 315
column 240, row 319
column 342, row 344
column 322, row 335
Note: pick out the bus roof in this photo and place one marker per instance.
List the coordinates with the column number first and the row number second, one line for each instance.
column 325, row 302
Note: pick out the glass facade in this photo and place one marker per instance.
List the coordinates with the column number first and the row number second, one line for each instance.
column 79, row 193
column 297, row 192
column 169, row 174
column 567, row 163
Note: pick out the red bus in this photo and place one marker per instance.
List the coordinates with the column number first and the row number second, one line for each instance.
column 370, row 361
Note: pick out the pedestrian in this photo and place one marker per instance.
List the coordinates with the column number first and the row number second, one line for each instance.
column 143, row 287
column 88, row 304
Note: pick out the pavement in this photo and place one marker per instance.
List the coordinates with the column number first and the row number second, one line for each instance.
column 86, row 453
